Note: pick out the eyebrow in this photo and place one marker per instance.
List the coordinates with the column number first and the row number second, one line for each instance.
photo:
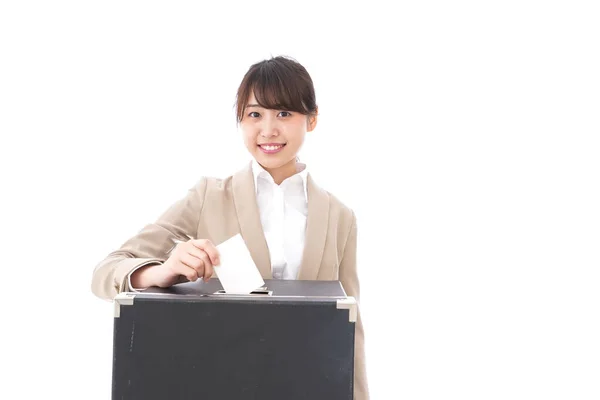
column 252, row 105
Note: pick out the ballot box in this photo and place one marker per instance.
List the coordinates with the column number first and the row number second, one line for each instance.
column 288, row 340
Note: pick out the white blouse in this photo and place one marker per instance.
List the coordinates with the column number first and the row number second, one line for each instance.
column 283, row 210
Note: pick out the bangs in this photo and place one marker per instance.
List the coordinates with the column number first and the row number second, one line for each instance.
column 278, row 85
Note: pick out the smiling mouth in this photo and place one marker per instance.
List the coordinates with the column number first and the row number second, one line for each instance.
column 271, row 146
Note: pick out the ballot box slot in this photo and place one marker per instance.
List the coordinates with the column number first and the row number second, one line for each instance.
column 258, row 292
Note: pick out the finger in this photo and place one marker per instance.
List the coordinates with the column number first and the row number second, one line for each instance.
column 202, row 255
column 208, row 271
column 194, row 263
column 198, row 253
column 190, row 273
column 209, row 248
column 207, row 264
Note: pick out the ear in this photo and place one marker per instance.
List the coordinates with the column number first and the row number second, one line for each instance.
column 312, row 121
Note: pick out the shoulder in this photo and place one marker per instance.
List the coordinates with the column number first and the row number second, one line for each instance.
column 211, row 188
column 216, row 184
column 340, row 207
column 339, row 212
column 341, row 216
column 222, row 188
column 207, row 184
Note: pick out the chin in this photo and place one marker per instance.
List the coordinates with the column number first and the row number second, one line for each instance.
column 269, row 164
column 272, row 163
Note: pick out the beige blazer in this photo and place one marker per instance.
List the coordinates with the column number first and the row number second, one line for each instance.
column 217, row 209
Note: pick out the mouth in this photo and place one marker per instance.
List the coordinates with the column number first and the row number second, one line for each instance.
column 271, row 148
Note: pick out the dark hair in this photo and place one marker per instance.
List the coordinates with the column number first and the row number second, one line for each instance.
column 280, row 83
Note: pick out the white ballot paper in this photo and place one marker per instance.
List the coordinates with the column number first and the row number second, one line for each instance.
column 237, row 272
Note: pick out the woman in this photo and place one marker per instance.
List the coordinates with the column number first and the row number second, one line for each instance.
column 292, row 227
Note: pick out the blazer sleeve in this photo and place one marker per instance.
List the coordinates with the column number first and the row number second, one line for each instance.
column 151, row 245
column 349, row 279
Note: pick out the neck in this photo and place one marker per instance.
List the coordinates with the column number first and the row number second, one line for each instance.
column 280, row 174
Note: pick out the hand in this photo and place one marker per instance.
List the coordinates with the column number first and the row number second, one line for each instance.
column 191, row 260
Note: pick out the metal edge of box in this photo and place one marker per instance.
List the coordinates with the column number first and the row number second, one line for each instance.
column 125, row 299
column 349, row 303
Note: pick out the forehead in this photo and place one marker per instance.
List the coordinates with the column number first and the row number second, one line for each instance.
column 253, row 103
column 274, row 97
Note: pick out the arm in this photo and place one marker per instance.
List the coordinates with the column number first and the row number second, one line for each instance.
column 151, row 245
column 349, row 280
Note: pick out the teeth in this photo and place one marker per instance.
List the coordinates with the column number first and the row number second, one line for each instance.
column 270, row 148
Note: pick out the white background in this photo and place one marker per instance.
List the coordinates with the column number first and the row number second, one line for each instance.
column 463, row 134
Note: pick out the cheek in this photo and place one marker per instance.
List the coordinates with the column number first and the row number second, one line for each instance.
column 298, row 134
column 295, row 132
column 248, row 136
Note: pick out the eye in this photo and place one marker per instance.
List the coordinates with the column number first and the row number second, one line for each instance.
column 254, row 114
column 286, row 114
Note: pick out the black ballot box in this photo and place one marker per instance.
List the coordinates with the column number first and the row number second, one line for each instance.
column 288, row 340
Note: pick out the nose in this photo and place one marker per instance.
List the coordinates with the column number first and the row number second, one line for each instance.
column 269, row 127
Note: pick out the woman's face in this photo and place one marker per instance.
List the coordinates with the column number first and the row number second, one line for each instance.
column 274, row 137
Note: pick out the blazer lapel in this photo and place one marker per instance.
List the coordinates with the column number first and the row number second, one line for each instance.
column 316, row 231
column 244, row 198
